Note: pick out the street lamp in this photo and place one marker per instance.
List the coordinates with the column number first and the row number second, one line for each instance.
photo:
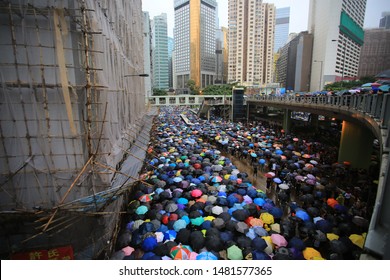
column 137, row 75
column 343, row 63
column 320, row 61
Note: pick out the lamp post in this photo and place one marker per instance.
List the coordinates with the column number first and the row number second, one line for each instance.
column 320, row 61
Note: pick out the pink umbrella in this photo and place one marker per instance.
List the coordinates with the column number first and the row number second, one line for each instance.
column 278, row 240
column 196, row 193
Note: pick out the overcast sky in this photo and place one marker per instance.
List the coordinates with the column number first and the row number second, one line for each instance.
column 298, row 12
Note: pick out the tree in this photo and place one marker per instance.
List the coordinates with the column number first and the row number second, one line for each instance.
column 193, row 88
column 159, row 92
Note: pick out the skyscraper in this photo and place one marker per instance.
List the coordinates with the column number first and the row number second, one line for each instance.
column 251, row 41
column 195, row 25
column 282, row 25
column 337, row 27
column 171, row 44
column 160, row 52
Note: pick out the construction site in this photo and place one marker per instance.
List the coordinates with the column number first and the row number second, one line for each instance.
column 74, row 127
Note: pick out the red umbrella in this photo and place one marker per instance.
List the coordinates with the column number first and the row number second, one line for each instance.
column 269, row 175
column 332, row 202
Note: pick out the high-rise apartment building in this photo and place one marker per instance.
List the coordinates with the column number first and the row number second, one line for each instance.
column 160, row 52
column 282, row 25
column 337, row 27
column 251, row 42
column 195, row 25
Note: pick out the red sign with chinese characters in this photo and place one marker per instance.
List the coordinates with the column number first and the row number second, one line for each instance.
column 60, row 253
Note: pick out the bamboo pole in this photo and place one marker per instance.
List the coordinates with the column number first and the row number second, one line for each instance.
column 67, row 192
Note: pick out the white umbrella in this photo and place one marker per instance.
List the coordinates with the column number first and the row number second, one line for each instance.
column 284, row 186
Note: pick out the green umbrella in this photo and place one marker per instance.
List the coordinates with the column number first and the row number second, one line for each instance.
column 197, row 221
column 234, row 253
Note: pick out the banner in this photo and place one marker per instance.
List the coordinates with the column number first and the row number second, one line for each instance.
column 59, row 253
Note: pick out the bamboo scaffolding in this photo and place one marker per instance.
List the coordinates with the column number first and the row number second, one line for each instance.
column 116, row 171
column 68, row 191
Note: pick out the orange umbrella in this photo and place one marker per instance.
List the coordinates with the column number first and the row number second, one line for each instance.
column 332, row 202
column 310, row 253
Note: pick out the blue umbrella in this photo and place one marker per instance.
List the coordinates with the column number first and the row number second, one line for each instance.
column 259, row 201
column 179, row 224
column 260, row 255
column 206, row 256
column 182, row 200
column 277, row 180
column 279, row 152
column 141, row 210
column 276, row 212
column 297, row 243
column 253, row 155
column 262, row 161
column 302, row 215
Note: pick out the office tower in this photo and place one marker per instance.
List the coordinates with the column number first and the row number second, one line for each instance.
column 251, row 40
column 195, row 25
column 171, row 44
column 147, row 32
column 337, row 27
column 160, row 52
column 385, row 20
column 375, row 53
column 282, row 25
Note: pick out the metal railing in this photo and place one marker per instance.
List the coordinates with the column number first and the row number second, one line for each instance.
column 375, row 106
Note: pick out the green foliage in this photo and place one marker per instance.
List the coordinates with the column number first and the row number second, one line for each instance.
column 193, row 88
column 159, row 92
column 337, row 86
column 217, row 90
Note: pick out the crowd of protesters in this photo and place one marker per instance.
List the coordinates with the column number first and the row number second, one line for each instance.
column 194, row 203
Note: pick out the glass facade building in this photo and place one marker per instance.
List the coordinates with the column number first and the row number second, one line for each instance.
column 282, row 26
column 195, row 29
column 160, row 52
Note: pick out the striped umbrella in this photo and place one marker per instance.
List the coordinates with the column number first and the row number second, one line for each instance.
column 180, row 252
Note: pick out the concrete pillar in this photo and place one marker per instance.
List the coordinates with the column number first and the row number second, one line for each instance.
column 314, row 121
column 287, row 121
column 356, row 145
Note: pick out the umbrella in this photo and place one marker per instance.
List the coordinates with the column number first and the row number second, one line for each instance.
column 254, row 155
column 332, row 236
column 278, row 240
column 276, row 212
column 277, row 180
column 267, row 218
column 216, row 179
column 216, row 210
column 141, row 210
column 234, row 253
column 145, row 198
column 302, row 215
column 269, row 175
column 206, row 256
column 179, row 224
column 310, row 254
column 284, row 186
column 358, row 239
column 180, row 252
column 360, row 221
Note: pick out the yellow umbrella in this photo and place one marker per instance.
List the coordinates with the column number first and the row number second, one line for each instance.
column 209, row 218
column 310, row 253
column 358, row 239
column 270, row 246
column 267, row 218
column 332, row 236
column 275, row 227
column 226, row 176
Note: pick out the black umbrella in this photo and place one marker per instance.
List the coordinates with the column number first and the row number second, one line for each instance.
column 197, row 240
